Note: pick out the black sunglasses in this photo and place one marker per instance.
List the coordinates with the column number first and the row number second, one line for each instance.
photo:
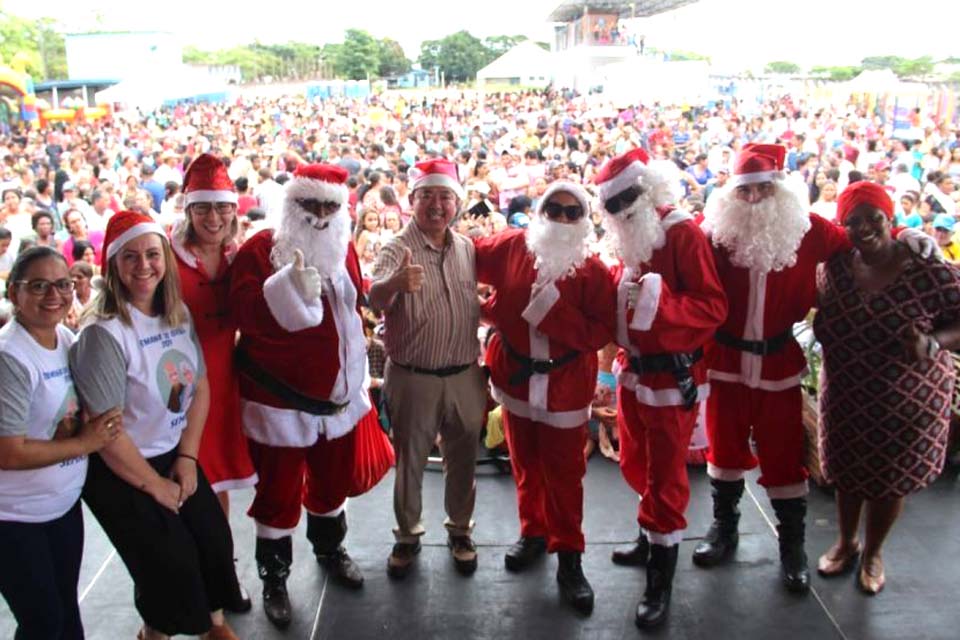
column 318, row 208
column 554, row 210
column 622, row 200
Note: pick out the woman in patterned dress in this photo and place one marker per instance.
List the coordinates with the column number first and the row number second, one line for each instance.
column 887, row 321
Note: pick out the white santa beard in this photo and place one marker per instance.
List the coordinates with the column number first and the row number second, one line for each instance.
column 325, row 248
column 635, row 232
column 560, row 249
column 764, row 236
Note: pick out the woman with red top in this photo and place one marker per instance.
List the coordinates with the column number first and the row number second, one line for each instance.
column 204, row 244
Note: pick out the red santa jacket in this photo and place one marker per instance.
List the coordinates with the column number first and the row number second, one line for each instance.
column 764, row 305
column 319, row 348
column 679, row 306
column 569, row 315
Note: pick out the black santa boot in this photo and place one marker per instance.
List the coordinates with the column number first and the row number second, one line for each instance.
column 661, row 567
column 722, row 537
column 635, row 555
column 573, row 584
column 791, row 531
column 274, row 558
column 326, row 535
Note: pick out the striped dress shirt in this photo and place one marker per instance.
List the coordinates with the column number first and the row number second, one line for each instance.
column 435, row 327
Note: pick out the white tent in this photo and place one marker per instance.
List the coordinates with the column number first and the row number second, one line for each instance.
column 145, row 93
column 527, row 64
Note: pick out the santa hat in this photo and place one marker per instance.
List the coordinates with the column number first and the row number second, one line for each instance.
column 572, row 188
column 758, row 163
column 436, row 173
column 324, row 182
column 124, row 227
column 621, row 173
column 206, row 180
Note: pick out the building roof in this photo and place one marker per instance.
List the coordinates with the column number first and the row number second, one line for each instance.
column 527, row 58
column 570, row 10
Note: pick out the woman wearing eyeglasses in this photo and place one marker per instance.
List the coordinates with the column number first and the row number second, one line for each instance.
column 138, row 351
column 548, row 309
column 43, row 452
column 205, row 244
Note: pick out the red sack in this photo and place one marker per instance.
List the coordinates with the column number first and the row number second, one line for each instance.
column 372, row 455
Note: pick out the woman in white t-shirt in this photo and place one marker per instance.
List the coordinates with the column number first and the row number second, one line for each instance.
column 43, row 452
column 138, row 350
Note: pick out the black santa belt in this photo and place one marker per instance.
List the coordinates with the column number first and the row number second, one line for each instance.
column 276, row 387
column 530, row 366
column 756, row 347
column 677, row 364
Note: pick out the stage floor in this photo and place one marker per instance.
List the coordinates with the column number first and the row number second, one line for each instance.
column 741, row 600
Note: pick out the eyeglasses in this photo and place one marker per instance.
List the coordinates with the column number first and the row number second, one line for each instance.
column 622, row 200
column 206, row 208
column 445, row 196
column 318, row 208
column 41, row 287
column 554, row 210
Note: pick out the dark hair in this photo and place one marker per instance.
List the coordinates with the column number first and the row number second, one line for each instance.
column 256, row 213
column 5, row 234
column 282, row 178
column 170, row 189
column 3, row 195
column 854, row 176
column 27, row 258
column 35, row 218
column 518, row 204
column 42, row 185
column 79, row 248
column 241, row 183
column 85, row 269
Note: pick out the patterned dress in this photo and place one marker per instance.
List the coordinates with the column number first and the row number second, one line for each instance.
column 884, row 420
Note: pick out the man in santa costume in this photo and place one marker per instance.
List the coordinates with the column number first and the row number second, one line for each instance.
column 669, row 303
column 303, row 377
column 549, row 308
column 767, row 248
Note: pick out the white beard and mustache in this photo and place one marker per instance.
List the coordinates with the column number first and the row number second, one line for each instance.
column 635, row 233
column 323, row 241
column 764, row 236
column 559, row 249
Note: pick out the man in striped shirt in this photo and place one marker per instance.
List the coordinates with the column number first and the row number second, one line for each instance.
column 425, row 283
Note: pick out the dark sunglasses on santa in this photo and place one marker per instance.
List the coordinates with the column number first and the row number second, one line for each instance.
column 622, row 200
column 318, row 208
column 554, row 210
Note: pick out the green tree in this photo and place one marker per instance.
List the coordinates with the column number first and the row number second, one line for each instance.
column 393, row 61
column 916, row 68
column 499, row 45
column 359, row 57
column 873, row 63
column 34, row 44
column 840, row 74
column 781, row 66
column 459, row 56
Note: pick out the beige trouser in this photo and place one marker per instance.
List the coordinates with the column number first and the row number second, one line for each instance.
column 420, row 406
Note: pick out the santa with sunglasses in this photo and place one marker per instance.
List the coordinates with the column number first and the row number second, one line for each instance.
column 550, row 312
column 669, row 303
column 295, row 293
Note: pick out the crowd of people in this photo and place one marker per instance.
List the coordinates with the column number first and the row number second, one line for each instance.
column 193, row 297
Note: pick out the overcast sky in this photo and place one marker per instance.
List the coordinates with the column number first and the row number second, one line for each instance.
column 734, row 32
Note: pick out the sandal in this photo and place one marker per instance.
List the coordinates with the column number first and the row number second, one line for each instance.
column 871, row 578
column 835, row 563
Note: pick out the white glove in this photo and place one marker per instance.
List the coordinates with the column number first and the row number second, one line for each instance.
column 306, row 279
column 920, row 243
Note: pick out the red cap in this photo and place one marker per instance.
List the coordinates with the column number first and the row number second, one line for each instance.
column 206, row 180
column 436, row 173
column 758, row 163
column 621, row 172
column 124, row 227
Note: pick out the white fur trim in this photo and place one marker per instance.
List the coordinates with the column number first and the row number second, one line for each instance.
column 287, row 305
column 176, row 243
column 644, row 312
column 540, row 304
column 766, row 385
column 559, row 419
column 209, row 195
column 727, row 475
column 666, row 397
column 135, row 231
column 331, row 514
column 674, row 217
column 303, row 188
column 538, row 387
column 279, row 427
column 238, row 483
column 753, row 178
column 665, row 539
column 623, row 294
column 439, row 180
column 789, row 491
column 273, row 533
column 564, row 186
column 623, row 180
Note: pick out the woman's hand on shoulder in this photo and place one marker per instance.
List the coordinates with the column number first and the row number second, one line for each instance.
column 100, row 431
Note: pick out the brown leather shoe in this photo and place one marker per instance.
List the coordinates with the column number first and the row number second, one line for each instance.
column 464, row 553
column 401, row 559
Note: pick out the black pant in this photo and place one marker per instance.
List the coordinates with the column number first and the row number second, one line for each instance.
column 181, row 564
column 39, row 568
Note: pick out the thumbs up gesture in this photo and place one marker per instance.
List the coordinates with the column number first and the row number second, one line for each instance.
column 408, row 278
column 916, row 345
column 306, row 279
